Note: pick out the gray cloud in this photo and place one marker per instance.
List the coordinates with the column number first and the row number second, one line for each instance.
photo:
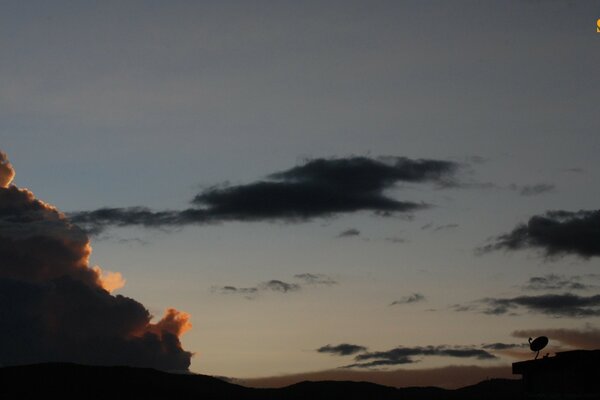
column 349, row 233
column 275, row 285
column 586, row 338
column 315, row 279
column 556, row 233
column 502, row 346
column 554, row 282
column 557, row 305
column 318, row 188
column 532, row 190
column 405, row 355
column 344, row 349
column 413, row 298
column 279, row 286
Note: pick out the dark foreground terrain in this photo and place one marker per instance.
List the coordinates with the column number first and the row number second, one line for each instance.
column 78, row 381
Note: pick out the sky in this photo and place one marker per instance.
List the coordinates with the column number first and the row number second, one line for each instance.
column 341, row 188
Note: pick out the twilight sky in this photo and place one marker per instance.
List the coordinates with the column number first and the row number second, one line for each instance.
column 377, row 185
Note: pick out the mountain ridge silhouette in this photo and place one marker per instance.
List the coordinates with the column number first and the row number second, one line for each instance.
column 66, row 380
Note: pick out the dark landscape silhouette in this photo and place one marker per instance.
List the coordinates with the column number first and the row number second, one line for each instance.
column 72, row 380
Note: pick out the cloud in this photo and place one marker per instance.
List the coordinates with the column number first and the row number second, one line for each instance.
column 502, row 346
column 556, row 233
column 7, row 172
column 532, row 190
column 405, row 355
column 450, row 377
column 272, row 285
column 413, row 298
column 553, row 282
column 557, row 305
column 54, row 306
column 343, row 349
column 395, row 239
column 447, row 226
column 318, row 188
column 437, row 228
column 275, row 285
column 349, row 233
column 587, row 338
column 316, row 279
column 279, row 286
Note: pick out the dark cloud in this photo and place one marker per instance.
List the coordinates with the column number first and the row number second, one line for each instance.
column 348, row 233
column 319, row 188
column 437, row 228
column 554, row 282
column 343, row 349
column 55, row 307
column 502, row 346
column 532, row 190
column 280, row 286
column 587, row 338
column 405, row 355
column 413, row 298
column 316, row 279
column 557, row 305
column 447, row 226
column 394, row 239
column 273, row 285
column 248, row 291
column 556, row 233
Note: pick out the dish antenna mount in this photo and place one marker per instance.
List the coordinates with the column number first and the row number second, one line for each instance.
column 538, row 344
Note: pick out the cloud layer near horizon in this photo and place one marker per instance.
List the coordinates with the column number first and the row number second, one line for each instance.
column 318, row 188
column 55, row 307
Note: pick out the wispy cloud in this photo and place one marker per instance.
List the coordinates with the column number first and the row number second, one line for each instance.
column 343, row 349
column 410, row 299
column 406, row 355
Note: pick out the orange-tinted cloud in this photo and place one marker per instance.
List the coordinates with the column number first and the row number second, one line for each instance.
column 174, row 322
column 56, row 307
column 450, row 377
column 109, row 280
column 7, row 172
column 586, row 338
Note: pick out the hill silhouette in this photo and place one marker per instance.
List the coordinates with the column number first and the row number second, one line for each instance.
column 79, row 381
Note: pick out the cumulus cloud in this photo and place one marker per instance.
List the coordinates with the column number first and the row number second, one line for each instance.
column 557, row 305
column 412, row 298
column 556, row 233
column 318, row 188
column 7, row 172
column 532, row 190
column 349, row 233
column 343, row 349
column 554, row 282
column 586, row 338
column 406, row 355
column 54, row 306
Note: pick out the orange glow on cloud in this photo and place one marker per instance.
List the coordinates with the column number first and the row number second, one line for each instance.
column 174, row 322
column 110, row 281
column 7, row 172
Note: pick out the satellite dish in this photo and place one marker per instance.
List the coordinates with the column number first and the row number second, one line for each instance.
column 538, row 344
